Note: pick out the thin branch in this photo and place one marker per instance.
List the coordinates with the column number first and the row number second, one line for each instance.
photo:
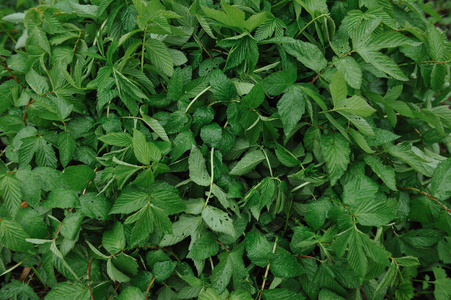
column 427, row 195
column 222, row 245
column 311, row 257
column 212, row 171
column 115, row 289
column 309, row 23
column 148, row 287
column 329, row 66
column 11, row 72
column 195, row 98
column 8, row 34
column 89, row 282
column 266, row 272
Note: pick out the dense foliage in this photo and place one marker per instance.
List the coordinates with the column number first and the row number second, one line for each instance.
column 245, row 149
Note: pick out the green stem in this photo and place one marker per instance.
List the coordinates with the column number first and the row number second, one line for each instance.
column 197, row 97
column 309, row 23
column 267, row 160
column 143, row 48
column 212, row 171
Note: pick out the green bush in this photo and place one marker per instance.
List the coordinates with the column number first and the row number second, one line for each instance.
column 243, row 150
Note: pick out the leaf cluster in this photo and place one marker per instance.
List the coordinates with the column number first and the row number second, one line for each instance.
column 245, row 149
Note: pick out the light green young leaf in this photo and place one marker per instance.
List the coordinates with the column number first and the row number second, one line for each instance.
column 218, row 220
column 291, row 108
column 386, row 173
column 249, row 161
column 336, row 151
column 197, row 169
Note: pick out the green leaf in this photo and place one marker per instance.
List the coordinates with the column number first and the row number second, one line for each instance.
column 71, row 225
column 204, row 247
column 249, row 161
column 197, row 169
column 114, row 273
column 17, row 290
column 159, row 56
column 255, row 97
column 27, row 150
column 386, row 173
column 159, row 194
column 156, row 127
column 355, row 105
column 141, row 147
column 78, row 177
column 338, row 88
column 358, row 190
column 291, row 108
column 114, row 239
column 308, row 54
column 95, row 206
column 218, row 220
column 11, row 193
column 440, row 185
column 66, row 147
column 12, row 236
column 405, row 152
column 281, row 294
column 258, row 249
column 120, row 139
column 276, row 83
column 360, row 139
column 212, row 135
column 184, row 227
column 130, row 200
column 37, row 82
column 131, row 292
column 163, row 269
column 70, row 291
column 231, row 265
column 61, row 198
column 374, row 213
column 221, row 86
column 382, row 62
column 285, row 265
column 336, row 153
column 351, row 71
